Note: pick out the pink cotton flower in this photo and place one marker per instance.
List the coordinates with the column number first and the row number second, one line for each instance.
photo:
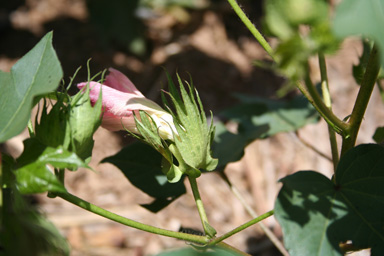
column 120, row 98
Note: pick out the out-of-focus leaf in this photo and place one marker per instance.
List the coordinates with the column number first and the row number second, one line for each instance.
column 117, row 22
column 366, row 18
column 38, row 72
column 321, row 214
column 193, row 252
column 229, row 147
column 378, row 137
column 284, row 16
column 280, row 116
column 25, row 231
column 141, row 164
column 259, row 118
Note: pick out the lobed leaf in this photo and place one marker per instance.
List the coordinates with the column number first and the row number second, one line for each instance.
column 321, row 214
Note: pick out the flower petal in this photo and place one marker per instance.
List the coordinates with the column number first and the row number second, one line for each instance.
column 117, row 80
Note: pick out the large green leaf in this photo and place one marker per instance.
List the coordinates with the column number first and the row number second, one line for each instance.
column 38, row 72
column 356, row 17
column 317, row 214
column 141, row 164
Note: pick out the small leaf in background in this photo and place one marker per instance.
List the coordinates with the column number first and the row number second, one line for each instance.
column 141, row 164
column 378, row 137
column 193, row 252
column 322, row 214
column 366, row 18
column 34, row 175
column 38, row 72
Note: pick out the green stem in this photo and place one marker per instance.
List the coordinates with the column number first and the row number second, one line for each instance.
column 131, row 223
column 200, row 207
column 328, row 103
column 255, row 32
column 240, row 228
column 332, row 120
column 363, row 97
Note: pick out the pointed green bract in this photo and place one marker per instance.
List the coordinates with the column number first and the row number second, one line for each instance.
column 194, row 136
column 38, row 72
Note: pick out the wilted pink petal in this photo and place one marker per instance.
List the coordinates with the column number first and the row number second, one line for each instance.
column 120, row 98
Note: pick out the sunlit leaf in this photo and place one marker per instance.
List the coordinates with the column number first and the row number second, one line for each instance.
column 321, row 214
column 38, row 72
column 35, row 175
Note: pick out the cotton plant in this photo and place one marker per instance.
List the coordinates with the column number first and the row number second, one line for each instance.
column 318, row 215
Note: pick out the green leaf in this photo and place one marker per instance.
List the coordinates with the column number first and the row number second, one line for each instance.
column 284, row 16
column 378, row 137
column 229, row 147
column 38, row 72
column 37, row 178
column 25, row 231
column 193, row 252
column 363, row 18
column 34, row 175
column 280, row 116
column 35, row 152
column 317, row 214
column 141, row 164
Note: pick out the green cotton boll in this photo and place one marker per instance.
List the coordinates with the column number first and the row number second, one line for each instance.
column 70, row 125
column 193, row 142
column 84, row 119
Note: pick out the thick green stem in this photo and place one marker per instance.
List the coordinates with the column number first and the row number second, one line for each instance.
column 200, row 207
column 328, row 103
column 255, row 32
column 363, row 97
column 240, row 228
column 332, row 120
column 131, row 223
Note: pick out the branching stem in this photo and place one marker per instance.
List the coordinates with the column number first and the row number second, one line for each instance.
column 216, row 240
column 366, row 88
